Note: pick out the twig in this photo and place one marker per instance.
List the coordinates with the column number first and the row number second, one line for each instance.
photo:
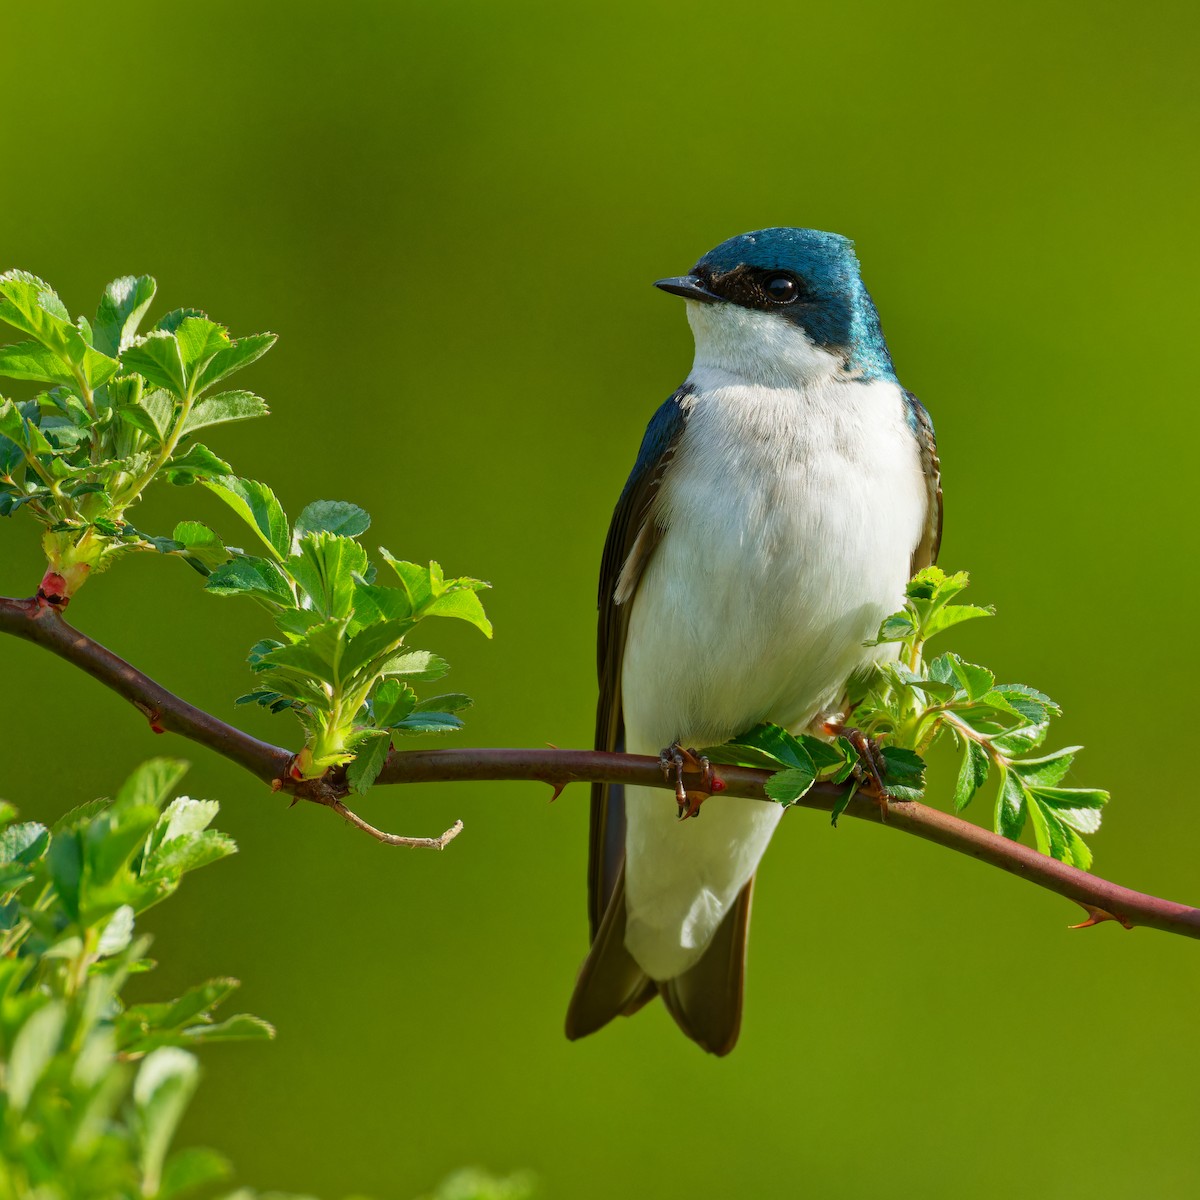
column 1101, row 900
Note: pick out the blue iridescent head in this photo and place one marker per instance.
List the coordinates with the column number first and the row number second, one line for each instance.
column 803, row 276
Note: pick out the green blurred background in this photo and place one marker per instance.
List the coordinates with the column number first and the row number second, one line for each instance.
column 451, row 213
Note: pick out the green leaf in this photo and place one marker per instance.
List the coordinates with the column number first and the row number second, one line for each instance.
column 415, row 581
column 256, row 504
column 186, row 853
column 34, row 1046
column 200, row 340
column 25, row 843
column 391, row 702
column 955, row 614
column 239, row 1028
column 975, row 681
column 250, row 576
column 368, row 762
column 162, row 1090
column 1047, row 771
column 972, row 775
column 32, row 360
column 1077, row 807
column 198, row 462
column 201, row 544
column 326, row 570
column 121, row 310
column 156, row 357
column 415, row 664
column 153, row 414
column 463, row 605
column 332, row 516
column 1011, row 806
column 904, row 773
column 64, row 861
column 150, row 784
column 171, row 321
column 428, row 722
column 118, row 932
column 787, row 786
column 225, row 407
column 769, row 745
column 896, row 628
column 379, row 641
column 239, row 354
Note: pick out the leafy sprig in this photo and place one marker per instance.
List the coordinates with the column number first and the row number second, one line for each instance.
column 70, row 897
column 118, row 410
column 342, row 666
column 905, row 704
column 122, row 409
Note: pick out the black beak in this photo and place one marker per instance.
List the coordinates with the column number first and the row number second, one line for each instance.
column 689, row 287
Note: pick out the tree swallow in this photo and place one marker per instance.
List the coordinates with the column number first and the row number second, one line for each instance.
column 781, row 500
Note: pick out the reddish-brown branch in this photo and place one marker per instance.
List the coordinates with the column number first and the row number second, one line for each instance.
column 1102, row 901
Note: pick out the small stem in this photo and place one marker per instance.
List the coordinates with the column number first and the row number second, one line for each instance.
column 164, row 455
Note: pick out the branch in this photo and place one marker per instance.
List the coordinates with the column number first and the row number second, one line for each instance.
column 41, row 623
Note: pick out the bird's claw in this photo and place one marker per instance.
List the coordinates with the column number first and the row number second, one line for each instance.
column 675, row 760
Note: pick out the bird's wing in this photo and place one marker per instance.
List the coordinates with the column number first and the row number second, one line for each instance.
column 632, row 537
column 931, row 540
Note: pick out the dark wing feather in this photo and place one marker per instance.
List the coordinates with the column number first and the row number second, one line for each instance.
column 632, row 536
column 926, row 553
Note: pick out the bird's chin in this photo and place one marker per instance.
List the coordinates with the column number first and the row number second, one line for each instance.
column 757, row 347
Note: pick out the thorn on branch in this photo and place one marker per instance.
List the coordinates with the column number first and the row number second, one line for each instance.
column 1096, row 916
column 558, row 788
column 395, row 839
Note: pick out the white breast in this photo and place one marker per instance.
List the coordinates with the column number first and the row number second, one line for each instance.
column 791, row 514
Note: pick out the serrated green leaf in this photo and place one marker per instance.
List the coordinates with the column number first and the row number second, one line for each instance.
column 150, row 784
column 225, row 407
column 186, row 853
column 249, row 576
column 240, row 353
column 170, row 322
column 904, row 773
column 242, row 1027
column 895, row 628
column 975, row 681
column 1011, row 806
column 788, row 786
column 415, row 664
column 31, row 360
column 201, row 544
column 200, row 340
column 1046, row 771
column 325, row 568
column 332, row 516
column 156, row 357
column 25, row 844
column 121, row 310
column 391, row 702
column 1077, row 807
column 198, row 461
column 461, row 605
column 256, row 504
column 428, row 722
column 368, row 761
column 951, row 615
column 972, row 775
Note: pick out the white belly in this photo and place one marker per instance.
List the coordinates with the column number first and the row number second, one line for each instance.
column 791, row 517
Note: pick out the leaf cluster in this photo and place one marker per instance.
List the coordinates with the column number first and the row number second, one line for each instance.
column 93, row 1087
column 340, row 662
column 117, row 409
column 905, row 704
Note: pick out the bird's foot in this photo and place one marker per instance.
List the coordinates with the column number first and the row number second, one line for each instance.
column 675, row 760
column 871, row 766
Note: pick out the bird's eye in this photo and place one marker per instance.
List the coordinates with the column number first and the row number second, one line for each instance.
column 781, row 289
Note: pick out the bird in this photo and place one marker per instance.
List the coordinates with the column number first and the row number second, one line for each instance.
column 781, row 500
